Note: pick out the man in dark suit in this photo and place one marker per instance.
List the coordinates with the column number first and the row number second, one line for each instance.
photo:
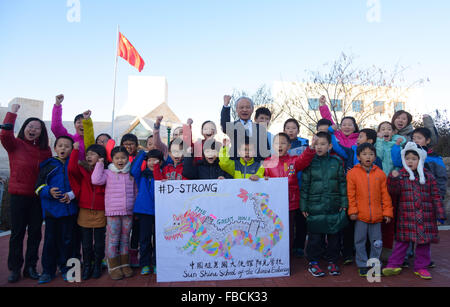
column 244, row 126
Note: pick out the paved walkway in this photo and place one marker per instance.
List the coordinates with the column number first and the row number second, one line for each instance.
column 299, row 276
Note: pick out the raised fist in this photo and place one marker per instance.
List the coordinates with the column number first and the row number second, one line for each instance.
column 322, row 100
column 76, row 146
column 398, row 141
column 59, row 99
column 395, row 173
column 87, row 114
column 226, row 100
column 190, row 121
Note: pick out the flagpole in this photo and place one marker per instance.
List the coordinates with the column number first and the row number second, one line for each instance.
column 115, row 80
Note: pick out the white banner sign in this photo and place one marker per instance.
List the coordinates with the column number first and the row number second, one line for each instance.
column 221, row 229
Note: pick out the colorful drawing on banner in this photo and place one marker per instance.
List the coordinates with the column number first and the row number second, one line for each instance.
column 260, row 234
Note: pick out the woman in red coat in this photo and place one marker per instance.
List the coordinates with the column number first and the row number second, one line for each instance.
column 25, row 153
column 418, row 210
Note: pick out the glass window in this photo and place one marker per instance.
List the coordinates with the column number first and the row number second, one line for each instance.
column 336, row 105
column 357, row 106
column 398, row 105
column 313, row 104
column 378, row 106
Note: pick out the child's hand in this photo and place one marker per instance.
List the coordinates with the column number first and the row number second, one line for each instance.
column 254, row 178
column 225, row 142
column 305, row 214
column 15, row 108
column 221, row 178
column 395, row 173
column 158, row 121
column 190, row 121
column 322, row 100
column 59, row 99
column 387, row 219
column 76, row 146
column 87, row 114
column 226, row 100
column 354, row 217
column 266, row 178
column 55, row 193
column 399, row 141
column 335, row 127
column 65, row 199
column 380, row 135
column 101, row 160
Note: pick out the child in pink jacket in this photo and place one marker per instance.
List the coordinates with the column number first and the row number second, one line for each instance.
column 349, row 132
column 120, row 194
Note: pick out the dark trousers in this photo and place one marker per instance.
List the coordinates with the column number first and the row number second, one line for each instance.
column 77, row 238
column 93, row 242
column 147, row 249
column 316, row 243
column 300, row 230
column 26, row 214
column 348, row 240
column 135, row 233
column 58, row 244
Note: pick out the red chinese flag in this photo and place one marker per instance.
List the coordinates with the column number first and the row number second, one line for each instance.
column 129, row 53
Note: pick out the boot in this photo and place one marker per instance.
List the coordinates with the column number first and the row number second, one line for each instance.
column 87, row 271
column 125, row 265
column 114, row 268
column 97, row 271
column 134, row 261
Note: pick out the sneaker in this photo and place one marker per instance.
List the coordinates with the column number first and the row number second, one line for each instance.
column 391, row 271
column 363, row 272
column 315, row 270
column 333, row 269
column 348, row 261
column 145, row 270
column 299, row 253
column 45, row 278
column 431, row 265
column 423, row 273
column 405, row 264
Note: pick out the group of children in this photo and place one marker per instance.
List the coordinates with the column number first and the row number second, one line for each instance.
column 342, row 188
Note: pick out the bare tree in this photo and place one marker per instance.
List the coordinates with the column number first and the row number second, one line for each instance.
column 261, row 98
column 350, row 91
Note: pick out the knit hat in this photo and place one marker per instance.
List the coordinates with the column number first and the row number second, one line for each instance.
column 411, row 146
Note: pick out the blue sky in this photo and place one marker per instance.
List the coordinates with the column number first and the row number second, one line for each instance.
column 206, row 48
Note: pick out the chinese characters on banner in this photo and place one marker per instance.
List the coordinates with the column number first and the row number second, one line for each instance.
column 222, row 229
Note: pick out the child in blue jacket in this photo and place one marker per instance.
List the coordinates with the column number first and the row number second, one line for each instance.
column 144, row 207
column 59, row 210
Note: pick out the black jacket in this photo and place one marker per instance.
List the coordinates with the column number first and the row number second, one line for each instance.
column 202, row 169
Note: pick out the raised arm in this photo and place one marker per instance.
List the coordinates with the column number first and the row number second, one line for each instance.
column 324, row 110
column 99, row 175
column 157, row 138
column 88, row 127
column 57, row 127
column 225, row 163
column 429, row 123
column 305, row 159
column 109, row 147
column 225, row 114
column 135, row 170
column 7, row 136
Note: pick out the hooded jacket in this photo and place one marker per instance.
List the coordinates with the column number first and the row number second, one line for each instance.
column 368, row 196
column 323, row 194
column 145, row 199
column 89, row 196
column 289, row 166
column 345, row 140
column 53, row 174
column 240, row 169
column 120, row 191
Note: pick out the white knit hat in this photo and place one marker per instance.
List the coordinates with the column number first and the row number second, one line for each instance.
column 411, row 146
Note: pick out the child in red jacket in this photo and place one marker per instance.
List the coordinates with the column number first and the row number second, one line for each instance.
column 91, row 200
column 281, row 164
column 172, row 171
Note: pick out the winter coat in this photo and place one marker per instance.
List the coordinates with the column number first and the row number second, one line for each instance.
column 289, row 166
column 53, row 174
column 120, row 191
column 240, row 169
column 89, row 196
column 418, row 207
column 345, row 140
column 145, row 199
column 368, row 196
column 202, row 169
column 389, row 153
column 436, row 166
column 323, row 194
column 59, row 130
column 24, row 160
column 169, row 172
